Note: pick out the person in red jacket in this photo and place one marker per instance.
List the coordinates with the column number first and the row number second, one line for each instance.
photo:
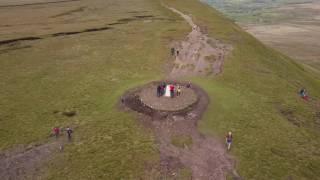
column 171, row 91
column 56, row 131
column 229, row 140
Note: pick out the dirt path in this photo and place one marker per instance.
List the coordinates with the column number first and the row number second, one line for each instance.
column 204, row 156
column 27, row 162
column 181, row 145
column 198, row 53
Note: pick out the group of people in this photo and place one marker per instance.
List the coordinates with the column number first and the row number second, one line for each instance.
column 57, row 131
column 174, row 90
column 161, row 89
column 174, row 52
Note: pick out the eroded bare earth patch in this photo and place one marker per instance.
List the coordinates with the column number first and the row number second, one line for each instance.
column 181, row 145
column 198, row 54
column 27, row 162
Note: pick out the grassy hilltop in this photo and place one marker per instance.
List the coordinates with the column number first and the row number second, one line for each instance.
column 276, row 133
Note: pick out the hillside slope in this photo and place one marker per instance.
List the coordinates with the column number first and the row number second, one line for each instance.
column 275, row 132
column 291, row 27
column 256, row 97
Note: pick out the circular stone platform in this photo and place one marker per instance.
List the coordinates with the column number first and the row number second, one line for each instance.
column 148, row 96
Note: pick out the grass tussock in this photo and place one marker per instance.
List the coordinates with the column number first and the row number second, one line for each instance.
column 181, row 141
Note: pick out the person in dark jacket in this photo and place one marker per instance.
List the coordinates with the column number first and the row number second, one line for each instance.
column 173, row 51
column 159, row 90
column 69, row 132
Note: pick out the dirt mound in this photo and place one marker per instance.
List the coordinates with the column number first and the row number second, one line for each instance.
column 198, row 54
column 149, row 98
column 205, row 157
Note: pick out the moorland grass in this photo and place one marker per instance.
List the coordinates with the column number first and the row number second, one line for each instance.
column 88, row 73
column 257, row 83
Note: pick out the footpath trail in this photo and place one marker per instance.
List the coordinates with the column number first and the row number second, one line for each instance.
column 204, row 156
column 27, row 162
column 198, row 53
column 180, row 143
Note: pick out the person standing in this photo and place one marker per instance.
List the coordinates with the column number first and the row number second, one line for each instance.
column 56, row 131
column 189, row 85
column 303, row 94
column 159, row 90
column 171, row 91
column 172, row 51
column 164, row 86
column 178, row 90
column 229, row 140
column 69, row 132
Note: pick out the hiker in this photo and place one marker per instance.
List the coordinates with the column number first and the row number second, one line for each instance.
column 164, row 85
column 178, row 90
column 159, row 91
column 69, row 132
column 56, row 131
column 177, row 52
column 172, row 51
column 303, row 94
column 189, row 85
column 229, row 140
column 162, row 90
column 171, row 91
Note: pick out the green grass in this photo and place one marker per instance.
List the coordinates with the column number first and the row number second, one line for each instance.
column 257, row 83
column 181, row 141
column 185, row 174
column 89, row 72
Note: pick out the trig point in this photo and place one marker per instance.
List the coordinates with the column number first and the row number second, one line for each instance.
column 174, row 96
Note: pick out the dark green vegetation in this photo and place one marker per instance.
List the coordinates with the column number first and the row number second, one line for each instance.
column 276, row 133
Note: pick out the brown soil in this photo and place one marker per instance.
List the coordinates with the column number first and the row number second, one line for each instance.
column 27, row 162
column 198, row 53
column 206, row 157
